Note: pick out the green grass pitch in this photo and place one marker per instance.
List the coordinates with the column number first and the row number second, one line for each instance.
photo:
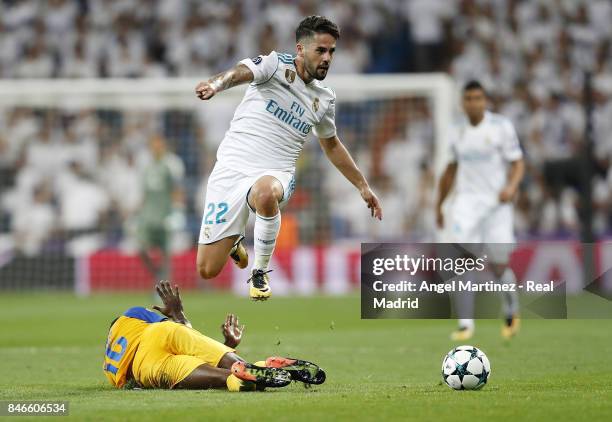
column 51, row 348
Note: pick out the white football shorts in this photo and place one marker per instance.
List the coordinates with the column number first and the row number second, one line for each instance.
column 226, row 211
column 471, row 220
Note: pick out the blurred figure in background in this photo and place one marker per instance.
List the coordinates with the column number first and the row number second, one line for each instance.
column 486, row 167
column 162, row 205
column 34, row 224
column 84, row 207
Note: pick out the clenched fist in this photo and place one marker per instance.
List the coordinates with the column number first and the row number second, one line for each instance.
column 205, row 90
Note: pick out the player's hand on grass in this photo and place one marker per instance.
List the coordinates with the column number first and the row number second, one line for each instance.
column 507, row 194
column 205, row 90
column 232, row 331
column 373, row 203
column 171, row 298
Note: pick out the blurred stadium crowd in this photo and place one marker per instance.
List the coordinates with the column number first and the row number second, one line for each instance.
column 74, row 174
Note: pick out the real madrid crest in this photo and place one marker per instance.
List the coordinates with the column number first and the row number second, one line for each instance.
column 290, row 75
column 315, row 105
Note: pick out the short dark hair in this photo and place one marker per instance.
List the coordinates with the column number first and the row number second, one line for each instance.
column 473, row 85
column 316, row 25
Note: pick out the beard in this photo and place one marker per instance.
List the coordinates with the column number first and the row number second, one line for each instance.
column 319, row 73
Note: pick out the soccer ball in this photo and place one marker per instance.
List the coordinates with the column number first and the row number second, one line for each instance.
column 466, row 368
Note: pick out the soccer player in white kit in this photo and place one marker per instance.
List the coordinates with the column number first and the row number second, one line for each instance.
column 255, row 165
column 486, row 168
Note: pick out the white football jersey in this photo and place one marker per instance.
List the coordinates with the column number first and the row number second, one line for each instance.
column 276, row 115
column 482, row 153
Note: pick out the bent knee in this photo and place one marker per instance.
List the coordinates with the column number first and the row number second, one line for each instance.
column 207, row 270
column 266, row 197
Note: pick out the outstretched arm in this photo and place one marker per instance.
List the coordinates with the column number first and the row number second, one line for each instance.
column 446, row 183
column 173, row 305
column 337, row 153
column 173, row 309
column 517, row 172
column 232, row 331
column 237, row 75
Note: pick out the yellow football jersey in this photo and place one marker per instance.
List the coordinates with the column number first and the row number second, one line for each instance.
column 123, row 340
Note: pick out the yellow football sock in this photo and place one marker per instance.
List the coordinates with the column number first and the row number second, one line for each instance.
column 236, row 384
column 261, row 363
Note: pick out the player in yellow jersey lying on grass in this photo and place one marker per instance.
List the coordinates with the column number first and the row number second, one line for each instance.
column 147, row 350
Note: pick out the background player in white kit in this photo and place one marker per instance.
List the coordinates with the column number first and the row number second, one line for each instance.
column 256, row 160
column 487, row 165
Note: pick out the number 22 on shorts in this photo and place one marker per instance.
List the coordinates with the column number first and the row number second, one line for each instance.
column 217, row 211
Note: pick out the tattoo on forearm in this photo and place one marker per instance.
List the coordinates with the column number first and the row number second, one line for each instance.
column 230, row 78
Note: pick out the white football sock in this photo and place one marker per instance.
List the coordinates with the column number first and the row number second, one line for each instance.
column 466, row 323
column 464, row 306
column 510, row 300
column 265, row 233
